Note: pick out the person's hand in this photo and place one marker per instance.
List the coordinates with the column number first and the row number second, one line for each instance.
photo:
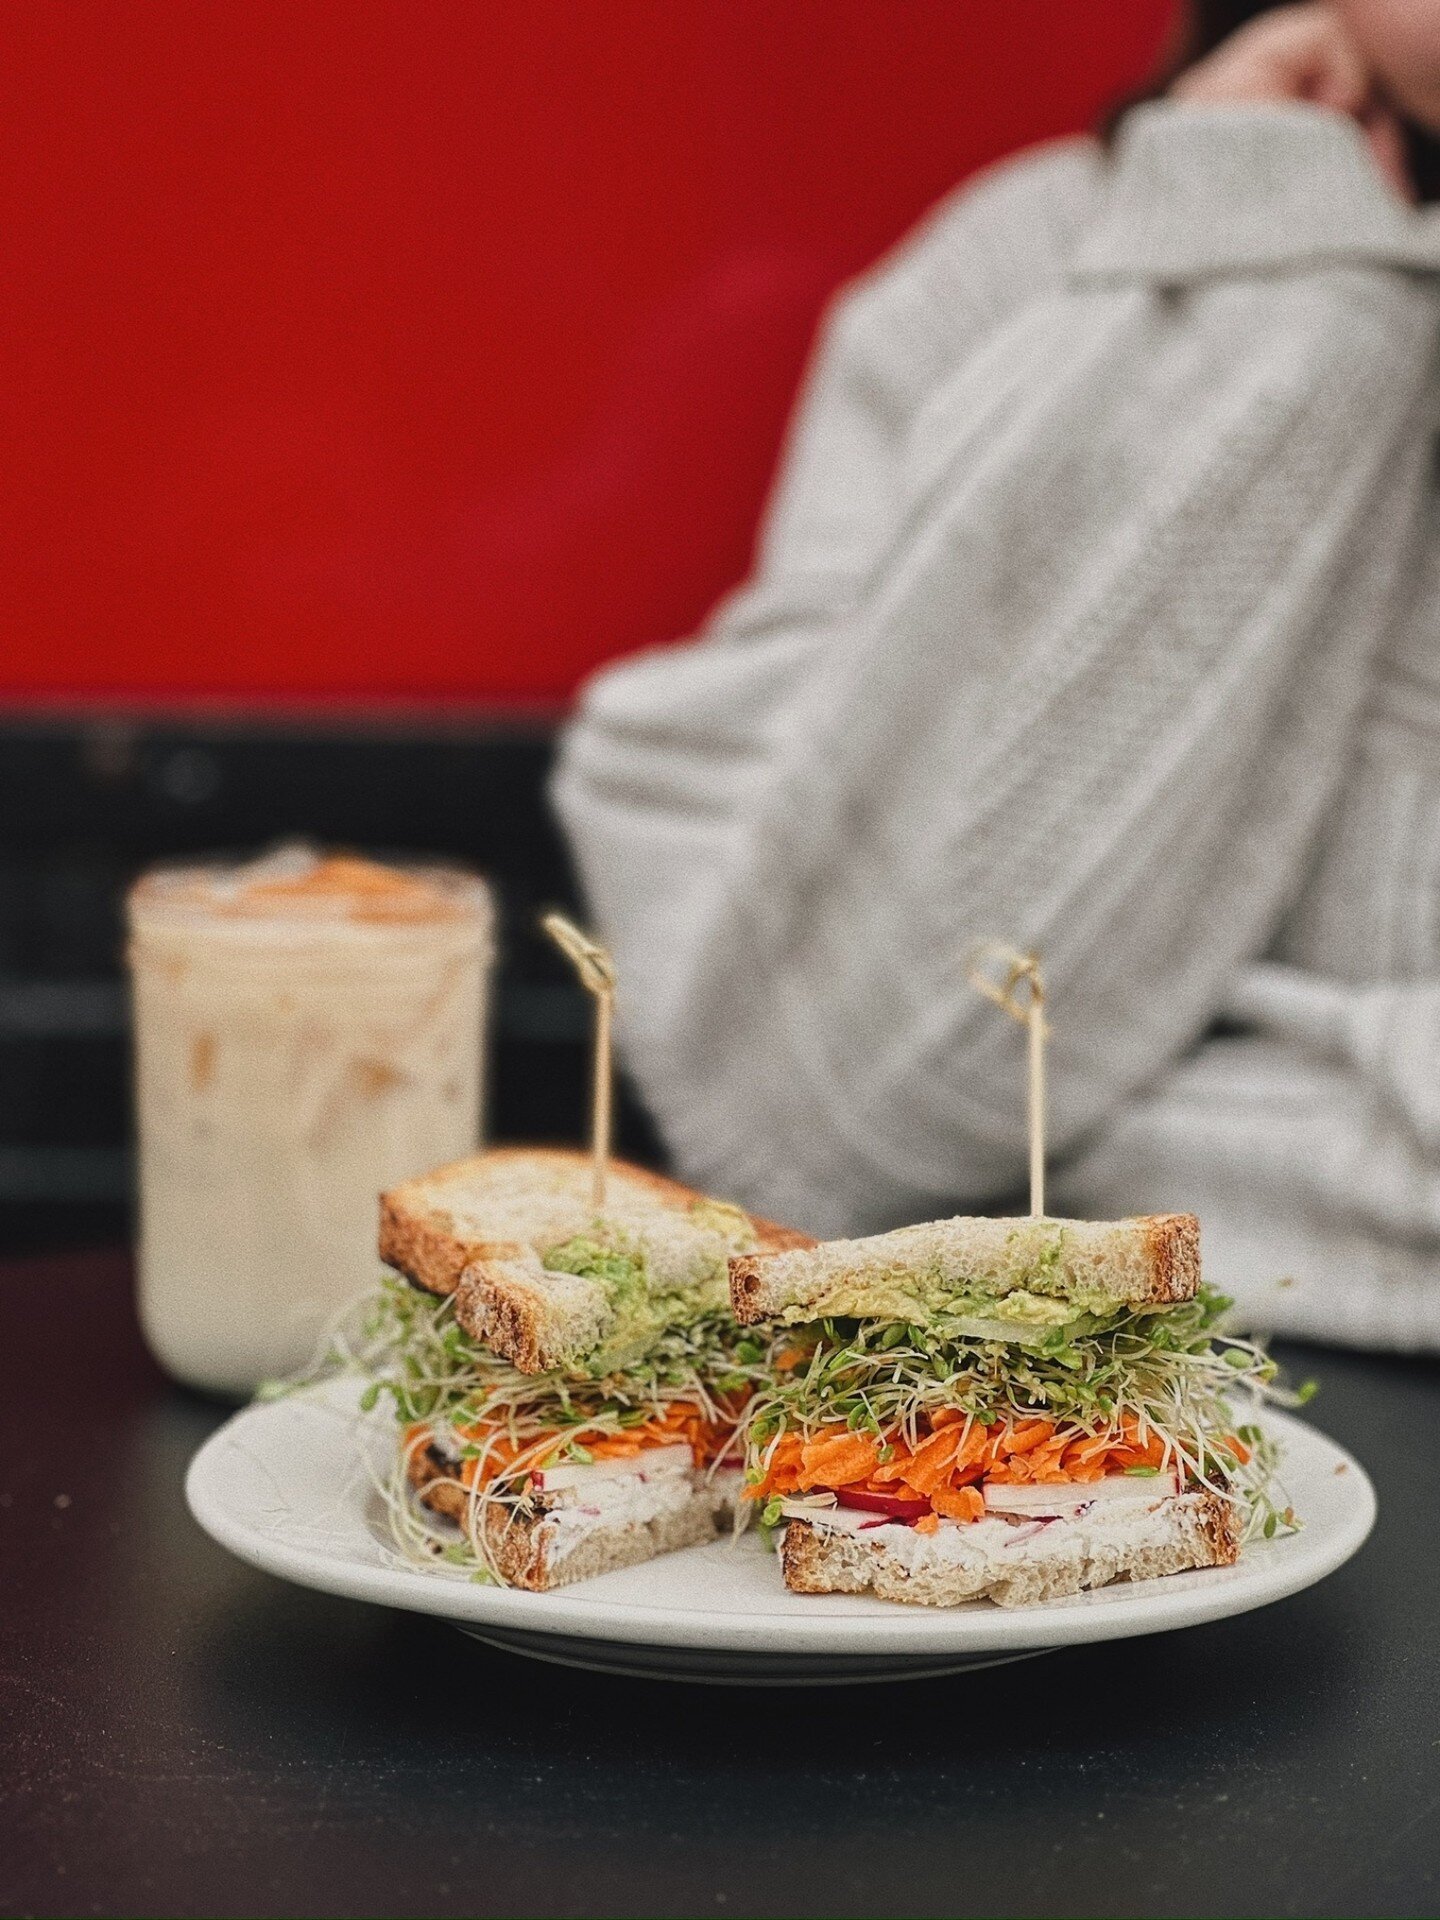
column 1302, row 53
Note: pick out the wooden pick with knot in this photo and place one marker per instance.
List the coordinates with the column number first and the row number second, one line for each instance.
column 596, row 972
column 1013, row 982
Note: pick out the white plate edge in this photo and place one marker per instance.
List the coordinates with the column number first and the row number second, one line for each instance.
column 898, row 1628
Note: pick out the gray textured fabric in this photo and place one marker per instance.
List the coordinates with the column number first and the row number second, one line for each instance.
column 1097, row 610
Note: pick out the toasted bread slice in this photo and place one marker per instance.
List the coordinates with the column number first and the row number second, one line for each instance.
column 972, row 1265
column 535, row 1547
column 482, row 1228
column 984, row 1561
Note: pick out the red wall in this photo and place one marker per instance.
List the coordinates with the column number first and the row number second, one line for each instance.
column 443, row 348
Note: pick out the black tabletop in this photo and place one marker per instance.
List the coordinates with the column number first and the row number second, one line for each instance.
column 183, row 1735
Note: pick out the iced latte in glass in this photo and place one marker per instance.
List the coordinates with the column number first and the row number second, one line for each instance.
column 308, row 1031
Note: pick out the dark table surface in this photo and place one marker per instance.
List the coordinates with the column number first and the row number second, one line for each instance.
column 183, row 1735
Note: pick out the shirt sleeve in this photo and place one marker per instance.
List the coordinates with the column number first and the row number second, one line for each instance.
column 1092, row 697
column 1307, row 1140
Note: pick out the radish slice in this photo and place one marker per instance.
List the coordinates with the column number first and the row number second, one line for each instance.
column 893, row 1504
column 1027, row 1530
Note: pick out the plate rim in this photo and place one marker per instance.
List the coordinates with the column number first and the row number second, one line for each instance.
column 1125, row 1612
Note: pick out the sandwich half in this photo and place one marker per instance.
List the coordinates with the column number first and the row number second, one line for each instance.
column 1011, row 1410
column 569, row 1384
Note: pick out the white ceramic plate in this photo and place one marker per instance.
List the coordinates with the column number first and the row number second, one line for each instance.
column 284, row 1486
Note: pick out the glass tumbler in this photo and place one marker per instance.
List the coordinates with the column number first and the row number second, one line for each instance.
column 308, row 1031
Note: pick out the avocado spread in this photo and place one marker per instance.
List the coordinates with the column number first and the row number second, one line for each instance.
column 1031, row 1290
column 649, row 1288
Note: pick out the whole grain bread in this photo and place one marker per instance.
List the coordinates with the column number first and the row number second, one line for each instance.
column 480, row 1229
column 1150, row 1261
column 1185, row 1531
column 531, row 1552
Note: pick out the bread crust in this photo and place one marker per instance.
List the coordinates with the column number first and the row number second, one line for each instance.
column 494, row 1308
column 1170, row 1242
column 497, row 1301
column 1203, row 1531
column 415, row 1245
column 530, row 1555
column 747, row 1289
column 418, row 1241
column 432, row 1255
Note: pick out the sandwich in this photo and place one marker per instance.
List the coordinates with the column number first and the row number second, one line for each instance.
column 1012, row 1410
column 568, row 1382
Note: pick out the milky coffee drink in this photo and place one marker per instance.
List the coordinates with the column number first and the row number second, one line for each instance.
column 308, row 1031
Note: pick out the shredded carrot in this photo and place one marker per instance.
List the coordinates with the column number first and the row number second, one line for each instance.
column 930, row 1465
column 958, row 1503
column 955, row 1453
column 681, row 1421
column 838, row 1461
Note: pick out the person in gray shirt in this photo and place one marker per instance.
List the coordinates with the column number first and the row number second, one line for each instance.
column 1097, row 610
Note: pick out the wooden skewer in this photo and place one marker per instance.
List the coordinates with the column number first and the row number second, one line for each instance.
column 596, row 971
column 601, row 1099
column 1022, row 975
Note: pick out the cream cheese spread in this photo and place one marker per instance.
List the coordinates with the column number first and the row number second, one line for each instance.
column 634, row 1499
column 992, row 1545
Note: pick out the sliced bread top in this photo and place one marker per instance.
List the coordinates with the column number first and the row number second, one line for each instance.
column 484, row 1228
column 1030, row 1271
